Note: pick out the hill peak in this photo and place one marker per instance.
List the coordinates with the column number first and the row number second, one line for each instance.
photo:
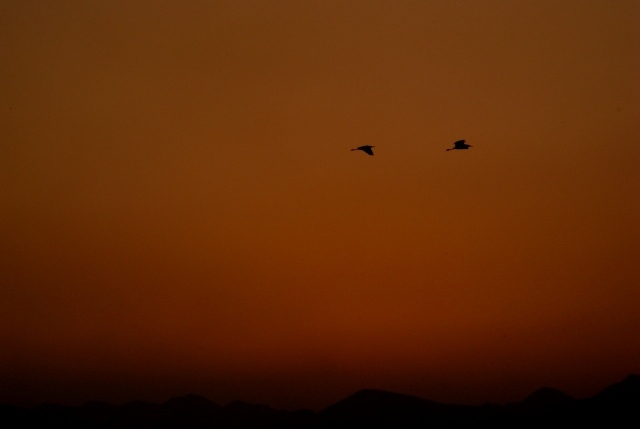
column 547, row 397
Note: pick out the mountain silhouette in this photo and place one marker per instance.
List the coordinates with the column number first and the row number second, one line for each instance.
column 547, row 397
column 616, row 406
column 625, row 392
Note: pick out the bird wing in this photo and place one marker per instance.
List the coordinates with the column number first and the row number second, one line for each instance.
column 367, row 149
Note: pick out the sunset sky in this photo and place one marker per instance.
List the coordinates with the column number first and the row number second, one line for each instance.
column 181, row 211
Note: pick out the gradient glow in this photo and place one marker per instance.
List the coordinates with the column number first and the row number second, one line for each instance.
column 181, row 211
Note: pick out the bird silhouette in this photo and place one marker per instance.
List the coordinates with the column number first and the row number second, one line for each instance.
column 365, row 149
column 460, row 144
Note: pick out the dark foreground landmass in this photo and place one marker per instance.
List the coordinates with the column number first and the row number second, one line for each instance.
column 617, row 406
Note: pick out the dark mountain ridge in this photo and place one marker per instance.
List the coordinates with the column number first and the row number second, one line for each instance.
column 616, row 406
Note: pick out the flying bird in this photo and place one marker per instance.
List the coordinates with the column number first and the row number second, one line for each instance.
column 460, row 144
column 365, row 149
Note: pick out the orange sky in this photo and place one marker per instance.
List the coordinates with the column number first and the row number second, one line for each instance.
column 181, row 211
